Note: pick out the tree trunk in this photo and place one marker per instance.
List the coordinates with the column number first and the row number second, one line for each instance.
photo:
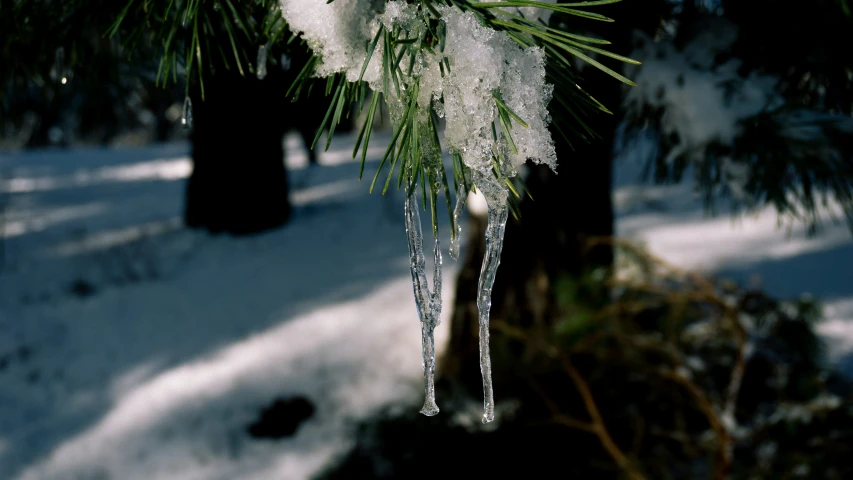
column 239, row 182
column 545, row 255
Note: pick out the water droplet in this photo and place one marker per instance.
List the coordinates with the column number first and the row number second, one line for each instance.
column 187, row 118
column 59, row 66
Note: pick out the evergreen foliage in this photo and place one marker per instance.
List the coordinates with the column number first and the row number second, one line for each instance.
column 191, row 39
column 794, row 153
column 680, row 377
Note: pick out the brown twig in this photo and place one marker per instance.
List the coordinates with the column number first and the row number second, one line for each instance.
column 705, row 292
column 705, row 405
column 597, row 424
column 732, row 391
column 712, row 414
column 697, row 290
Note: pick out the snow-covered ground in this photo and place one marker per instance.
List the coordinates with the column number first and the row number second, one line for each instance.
column 175, row 340
column 754, row 250
column 133, row 348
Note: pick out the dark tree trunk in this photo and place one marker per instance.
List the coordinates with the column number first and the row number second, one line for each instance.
column 545, row 253
column 239, row 182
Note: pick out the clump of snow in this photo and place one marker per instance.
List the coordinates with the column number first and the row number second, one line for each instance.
column 701, row 105
column 526, row 93
column 476, row 58
column 400, row 14
column 337, row 32
column 485, row 62
column 432, row 83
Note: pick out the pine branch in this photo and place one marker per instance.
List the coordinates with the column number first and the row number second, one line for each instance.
column 194, row 39
column 397, row 54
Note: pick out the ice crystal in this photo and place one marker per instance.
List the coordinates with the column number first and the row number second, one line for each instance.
column 337, row 32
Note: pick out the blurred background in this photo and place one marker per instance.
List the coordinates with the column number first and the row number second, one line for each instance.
column 189, row 291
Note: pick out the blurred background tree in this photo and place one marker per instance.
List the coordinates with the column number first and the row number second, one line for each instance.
column 73, row 82
column 789, row 149
column 94, row 77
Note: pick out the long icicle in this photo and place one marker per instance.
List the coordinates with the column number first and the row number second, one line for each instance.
column 496, row 198
column 428, row 303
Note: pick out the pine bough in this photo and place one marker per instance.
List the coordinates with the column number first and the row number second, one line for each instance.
column 481, row 67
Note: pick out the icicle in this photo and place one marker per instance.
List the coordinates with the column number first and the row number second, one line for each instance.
column 187, row 119
column 59, row 65
column 261, row 66
column 461, row 199
column 496, row 197
column 428, row 303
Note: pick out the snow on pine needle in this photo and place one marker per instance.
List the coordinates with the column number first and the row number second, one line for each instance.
column 481, row 67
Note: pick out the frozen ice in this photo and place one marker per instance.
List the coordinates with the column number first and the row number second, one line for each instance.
column 496, row 195
column 461, row 198
column 187, row 117
column 428, row 303
column 261, row 66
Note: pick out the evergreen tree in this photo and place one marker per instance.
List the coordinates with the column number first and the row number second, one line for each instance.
column 103, row 62
column 61, row 79
column 370, row 58
column 471, row 62
column 490, row 85
column 792, row 153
